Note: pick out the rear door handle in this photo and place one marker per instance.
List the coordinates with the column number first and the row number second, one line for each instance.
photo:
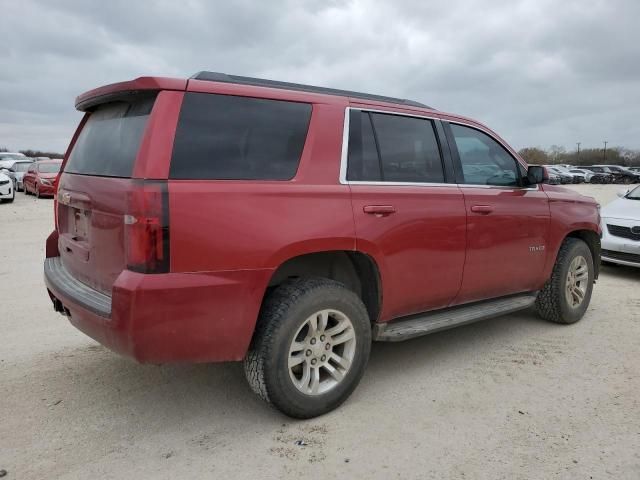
column 379, row 210
column 484, row 209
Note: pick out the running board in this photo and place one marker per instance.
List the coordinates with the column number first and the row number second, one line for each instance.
column 422, row 324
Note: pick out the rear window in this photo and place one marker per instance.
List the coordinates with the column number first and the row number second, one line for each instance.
column 109, row 142
column 224, row 137
column 49, row 167
column 21, row 166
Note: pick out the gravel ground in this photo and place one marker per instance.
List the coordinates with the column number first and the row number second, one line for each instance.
column 512, row 398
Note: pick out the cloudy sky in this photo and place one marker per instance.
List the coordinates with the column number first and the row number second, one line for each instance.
column 539, row 72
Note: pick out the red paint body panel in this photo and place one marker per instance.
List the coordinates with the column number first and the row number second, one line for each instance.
column 419, row 249
column 499, row 260
column 434, row 245
column 140, row 83
column 176, row 317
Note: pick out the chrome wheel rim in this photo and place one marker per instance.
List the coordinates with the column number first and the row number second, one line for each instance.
column 321, row 352
column 577, row 281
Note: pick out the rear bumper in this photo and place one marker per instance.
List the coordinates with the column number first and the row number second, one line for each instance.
column 174, row 317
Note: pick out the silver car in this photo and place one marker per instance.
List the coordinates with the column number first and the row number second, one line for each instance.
column 621, row 229
column 16, row 170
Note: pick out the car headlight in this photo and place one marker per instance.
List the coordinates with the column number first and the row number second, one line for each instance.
column 46, row 182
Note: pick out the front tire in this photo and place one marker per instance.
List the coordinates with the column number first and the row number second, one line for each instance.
column 310, row 348
column 566, row 295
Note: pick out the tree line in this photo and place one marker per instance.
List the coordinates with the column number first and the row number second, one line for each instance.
column 36, row 153
column 589, row 156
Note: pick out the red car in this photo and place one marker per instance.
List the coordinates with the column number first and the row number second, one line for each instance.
column 40, row 178
column 226, row 218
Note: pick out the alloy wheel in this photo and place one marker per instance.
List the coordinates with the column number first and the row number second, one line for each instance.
column 321, row 352
column 577, row 281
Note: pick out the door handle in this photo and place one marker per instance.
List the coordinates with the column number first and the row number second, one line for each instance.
column 484, row 209
column 379, row 210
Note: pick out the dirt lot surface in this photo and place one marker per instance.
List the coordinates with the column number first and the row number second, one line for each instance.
column 513, row 398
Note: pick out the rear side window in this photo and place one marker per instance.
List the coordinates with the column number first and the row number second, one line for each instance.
column 225, row 137
column 108, row 143
column 393, row 148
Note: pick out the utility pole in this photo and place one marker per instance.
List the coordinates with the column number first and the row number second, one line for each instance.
column 578, row 144
column 604, row 153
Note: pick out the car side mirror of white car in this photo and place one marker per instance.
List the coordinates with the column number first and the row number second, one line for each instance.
column 622, row 193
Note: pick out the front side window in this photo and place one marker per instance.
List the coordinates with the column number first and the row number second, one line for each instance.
column 393, row 148
column 484, row 161
column 225, row 137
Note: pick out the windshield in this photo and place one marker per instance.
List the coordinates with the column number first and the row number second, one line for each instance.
column 49, row 167
column 21, row 166
column 634, row 194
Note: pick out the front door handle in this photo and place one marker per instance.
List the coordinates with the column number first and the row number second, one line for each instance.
column 379, row 210
column 484, row 209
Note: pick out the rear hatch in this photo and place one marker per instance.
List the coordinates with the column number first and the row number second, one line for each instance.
column 96, row 190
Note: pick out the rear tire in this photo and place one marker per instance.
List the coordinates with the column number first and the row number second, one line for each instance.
column 310, row 347
column 566, row 295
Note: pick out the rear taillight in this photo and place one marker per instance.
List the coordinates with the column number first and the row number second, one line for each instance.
column 146, row 227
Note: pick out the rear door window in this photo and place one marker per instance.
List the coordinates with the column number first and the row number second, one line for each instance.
column 393, row 148
column 109, row 142
column 225, row 137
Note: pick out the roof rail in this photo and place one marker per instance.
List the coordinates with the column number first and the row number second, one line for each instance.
column 261, row 82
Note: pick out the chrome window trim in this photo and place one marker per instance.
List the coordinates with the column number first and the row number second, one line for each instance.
column 345, row 154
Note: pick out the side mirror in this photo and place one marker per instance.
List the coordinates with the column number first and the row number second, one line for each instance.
column 622, row 193
column 536, row 174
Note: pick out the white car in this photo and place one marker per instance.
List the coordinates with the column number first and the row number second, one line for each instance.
column 7, row 192
column 621, row 229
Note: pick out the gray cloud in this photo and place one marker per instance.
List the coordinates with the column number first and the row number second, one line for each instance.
column 540, row 72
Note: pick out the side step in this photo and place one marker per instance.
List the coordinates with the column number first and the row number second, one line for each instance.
column 422, row 324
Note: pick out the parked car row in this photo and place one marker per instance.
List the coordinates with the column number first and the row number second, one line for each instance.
column 18, row 172
column 563, row 174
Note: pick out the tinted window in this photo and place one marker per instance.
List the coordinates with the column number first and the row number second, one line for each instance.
column 109, row 142
column 227, row 137
column 407, row 149
column 363, row 163
column 484, row 161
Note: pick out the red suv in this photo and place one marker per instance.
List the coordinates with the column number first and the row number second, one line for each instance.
column 226, row 218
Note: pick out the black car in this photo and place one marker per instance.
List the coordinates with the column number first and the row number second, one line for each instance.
column 623, row 175
column 610, row 176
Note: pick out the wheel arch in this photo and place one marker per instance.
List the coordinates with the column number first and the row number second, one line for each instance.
column 592, row 239
column 356, row 270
